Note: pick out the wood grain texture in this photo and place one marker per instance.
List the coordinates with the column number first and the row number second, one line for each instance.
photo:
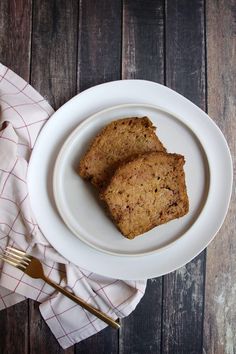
column 14, row 329
column 99, row 61
column 41, row 339
column 185, row 49
column 142, row 58
column 15, row 35
column 99, row 42
column 103, row 342
column 183, row 290
column 77, row 44
column 220, row 291
column 54, row 49
column 141, row 331
column 53, row 74
column 143, row 40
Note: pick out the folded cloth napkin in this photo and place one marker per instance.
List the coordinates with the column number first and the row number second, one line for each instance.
column 23, row 114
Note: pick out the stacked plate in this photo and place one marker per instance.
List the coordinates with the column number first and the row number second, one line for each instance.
column 67, row 208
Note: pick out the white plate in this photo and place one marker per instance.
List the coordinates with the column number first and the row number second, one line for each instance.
column 194, row 240
column 79, row 204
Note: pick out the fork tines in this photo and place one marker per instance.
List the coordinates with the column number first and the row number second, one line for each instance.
column 16, row 258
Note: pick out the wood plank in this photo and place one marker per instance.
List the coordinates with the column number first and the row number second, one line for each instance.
column 141, row 331
column 98, row 62
column 105, row 342
column 99, row 42
column 53, row 74
column 15, row 33
column 183, row 290
column 142, row 58
column 185, row 49
column 220, row 293
column 143, row 39
column 54, row 49
column 14, row 329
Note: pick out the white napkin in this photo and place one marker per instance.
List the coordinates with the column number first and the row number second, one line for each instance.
column 23, row 113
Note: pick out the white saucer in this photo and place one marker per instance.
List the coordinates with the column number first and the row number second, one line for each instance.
column 199, row 127
column 78, row 202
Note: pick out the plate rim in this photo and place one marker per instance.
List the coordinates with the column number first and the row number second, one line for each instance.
column 66, row 145
column 148, row 272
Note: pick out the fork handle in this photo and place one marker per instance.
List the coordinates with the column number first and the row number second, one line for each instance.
column 83, row 304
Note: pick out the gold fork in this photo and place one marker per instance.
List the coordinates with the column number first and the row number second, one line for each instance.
column 32, row 267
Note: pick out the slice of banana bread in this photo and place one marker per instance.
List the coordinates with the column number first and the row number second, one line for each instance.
column 146, row 192
column 118, row 141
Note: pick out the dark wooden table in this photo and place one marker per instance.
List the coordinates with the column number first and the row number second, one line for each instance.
column 64, row 47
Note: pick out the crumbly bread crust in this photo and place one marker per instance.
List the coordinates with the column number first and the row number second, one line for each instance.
column 119, row 141
column 146, row 192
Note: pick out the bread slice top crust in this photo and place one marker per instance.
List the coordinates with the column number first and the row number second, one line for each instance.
column 119, row 141
column 146, row 192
